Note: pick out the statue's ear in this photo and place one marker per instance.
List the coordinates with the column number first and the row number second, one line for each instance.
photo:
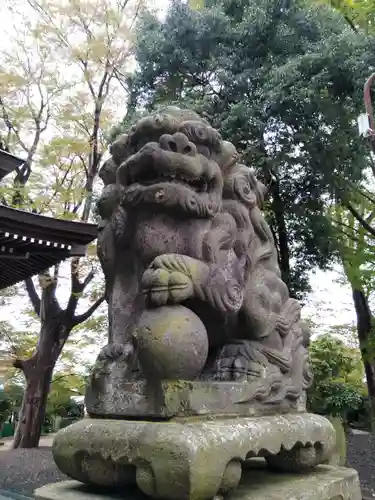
column 107, row 173
column 120, row 149
column 229, row 157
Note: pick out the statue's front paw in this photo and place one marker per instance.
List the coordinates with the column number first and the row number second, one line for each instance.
column 115, row 351
column 161, row 286
column 233, row 363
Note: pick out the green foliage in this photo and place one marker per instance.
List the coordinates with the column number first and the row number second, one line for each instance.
column 359, row 14
column 338, row 386
column 14, row 393
column 5, row 407
column 283, row 82
column 63, row 388
column 355, row 244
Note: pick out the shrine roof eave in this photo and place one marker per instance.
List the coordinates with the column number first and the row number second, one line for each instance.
column 46, row 228
column 9, row 163
column 31, row 243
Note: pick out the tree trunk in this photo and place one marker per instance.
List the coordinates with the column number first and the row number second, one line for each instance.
column 364, row 330
column 38, row 372
column 31, row 417
column 56, row 325
column 281, row 233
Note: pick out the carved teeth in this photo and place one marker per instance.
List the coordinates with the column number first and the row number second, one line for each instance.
column 151, row 178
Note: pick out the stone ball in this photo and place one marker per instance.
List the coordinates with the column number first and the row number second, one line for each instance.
column 172, row 343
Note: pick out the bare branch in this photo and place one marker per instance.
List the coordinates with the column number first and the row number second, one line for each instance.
column 88, row 279
column 136, row 12
column 60, row 377
column 84, row 162
column 56, row 273
column 87, row 79
column 77, row 320
column 351, row 23
column 13, row 348
column 33, row 295
column 74, row 274
column 10, row 125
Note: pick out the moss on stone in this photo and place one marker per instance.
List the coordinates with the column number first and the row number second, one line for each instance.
column 339, row 454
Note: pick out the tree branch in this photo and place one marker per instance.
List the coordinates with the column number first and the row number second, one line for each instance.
column 77, row 320
column 56, row 379
column 74, row 275
column 360, row 219
column 19, row 364
column 351, row 23
column 349, row 236
column 88, row 279
column 76, row 288
column 10, row 126
column 33, row 295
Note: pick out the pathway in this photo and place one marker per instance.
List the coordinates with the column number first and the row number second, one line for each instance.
column 45, row 441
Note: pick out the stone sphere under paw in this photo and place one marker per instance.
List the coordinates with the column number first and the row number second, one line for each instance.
column 172, row 343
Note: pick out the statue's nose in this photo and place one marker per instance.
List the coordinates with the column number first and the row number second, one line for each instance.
column 177, row 143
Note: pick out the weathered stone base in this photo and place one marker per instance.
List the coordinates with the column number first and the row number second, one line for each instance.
column 193, row 460
column 112, row 398
column 323, row 483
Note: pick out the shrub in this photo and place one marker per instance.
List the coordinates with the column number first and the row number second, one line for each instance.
column 338, row 389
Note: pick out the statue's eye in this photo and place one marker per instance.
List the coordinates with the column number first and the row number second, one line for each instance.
column 204, row 150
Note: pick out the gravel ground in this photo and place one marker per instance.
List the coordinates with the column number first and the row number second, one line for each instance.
column 23, row 471
column 361, row 456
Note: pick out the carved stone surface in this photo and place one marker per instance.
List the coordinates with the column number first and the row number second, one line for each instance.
column 193, row 284
column 324, row 483
column 178, row 398
column 188, row 460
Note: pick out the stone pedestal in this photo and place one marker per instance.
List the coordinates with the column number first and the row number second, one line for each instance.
column 322, row 483
column 188, row 459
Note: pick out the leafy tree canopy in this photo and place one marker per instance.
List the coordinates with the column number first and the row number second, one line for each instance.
column 283, row 81
column 63, row 388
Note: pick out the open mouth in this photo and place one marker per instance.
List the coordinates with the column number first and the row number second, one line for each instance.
column 151, row 177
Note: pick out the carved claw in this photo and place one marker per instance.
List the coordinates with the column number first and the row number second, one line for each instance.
column 173, row 262
column 161, row 284
column 233, row 363
column 116, row 351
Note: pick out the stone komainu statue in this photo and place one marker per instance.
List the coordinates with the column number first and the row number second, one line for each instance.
column 206, row 362
column 183, row 225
